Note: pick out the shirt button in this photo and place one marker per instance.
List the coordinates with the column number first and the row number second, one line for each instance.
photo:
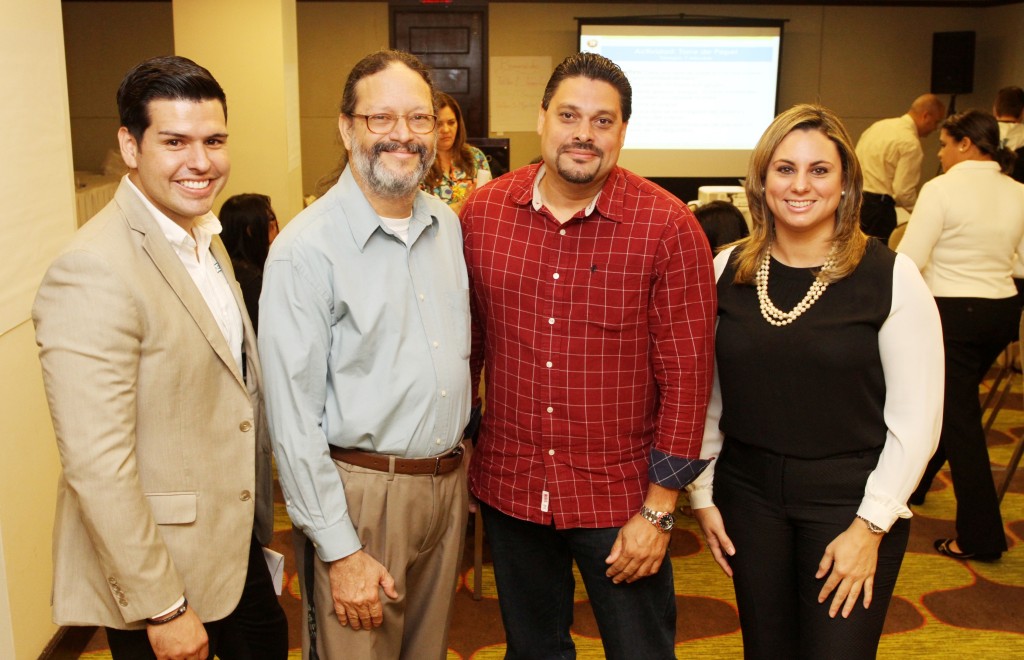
column 556, row 276
column 550, row 409
column 444, row 393
column 437, row 441
column 422, row 297
column 436, row 344
column 551, row 321
column 551, row 452
column 562, row 232
column 245, row 426
column 245, row 496
column 548, row 364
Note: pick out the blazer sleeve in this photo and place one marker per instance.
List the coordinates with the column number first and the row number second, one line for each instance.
column 90, row 333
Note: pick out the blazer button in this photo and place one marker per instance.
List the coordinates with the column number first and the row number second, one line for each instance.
column 245, row 496
column 245, row 426
column 112, row 580
column 123, row 602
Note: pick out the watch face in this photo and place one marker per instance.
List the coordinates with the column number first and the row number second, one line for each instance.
column 666, row 522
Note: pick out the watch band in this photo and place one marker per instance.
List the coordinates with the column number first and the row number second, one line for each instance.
column 664, row 521
column 872, row 527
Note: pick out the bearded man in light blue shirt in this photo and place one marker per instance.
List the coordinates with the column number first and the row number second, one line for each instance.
column 364, row 331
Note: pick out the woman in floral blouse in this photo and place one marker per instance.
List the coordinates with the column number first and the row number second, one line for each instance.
column 459, row 168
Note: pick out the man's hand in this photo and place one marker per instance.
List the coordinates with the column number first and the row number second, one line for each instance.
column 355, row 584
column 637, row 552
column 183, row 638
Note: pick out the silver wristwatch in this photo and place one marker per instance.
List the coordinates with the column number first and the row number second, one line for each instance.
column 872, row 527
column 663, row 520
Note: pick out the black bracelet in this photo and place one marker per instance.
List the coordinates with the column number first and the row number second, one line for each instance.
column 170, row 616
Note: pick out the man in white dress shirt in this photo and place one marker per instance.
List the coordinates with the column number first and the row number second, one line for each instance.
column 890, row 156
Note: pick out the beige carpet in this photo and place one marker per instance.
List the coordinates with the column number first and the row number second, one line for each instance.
column 942, row 608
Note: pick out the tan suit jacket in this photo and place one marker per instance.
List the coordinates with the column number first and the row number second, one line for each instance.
column 164, row 445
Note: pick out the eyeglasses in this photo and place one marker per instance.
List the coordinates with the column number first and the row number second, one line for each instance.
column 383, row 124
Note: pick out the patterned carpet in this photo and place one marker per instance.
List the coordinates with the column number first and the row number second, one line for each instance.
column 942, row 607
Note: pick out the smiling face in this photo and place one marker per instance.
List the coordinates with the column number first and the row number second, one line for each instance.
column 389, row 166
column 447, row 129
column 803, row 185
column 182, row 162
column 582, row 131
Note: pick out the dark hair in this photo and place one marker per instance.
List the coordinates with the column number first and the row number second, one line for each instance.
column 722, row 222
column 594, row 67
column 375, row 63
column 246, row 219
column 369, row 65
column 462, row 157
column 1010, row 102
column 982, row 130
column 848, row 239
column 168, row 77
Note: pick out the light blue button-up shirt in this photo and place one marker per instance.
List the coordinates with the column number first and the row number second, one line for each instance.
column 365, row 344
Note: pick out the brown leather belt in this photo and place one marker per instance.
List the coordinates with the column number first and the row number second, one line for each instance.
column 434, row 465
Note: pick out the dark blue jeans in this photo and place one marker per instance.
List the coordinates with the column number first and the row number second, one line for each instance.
column 533, row 572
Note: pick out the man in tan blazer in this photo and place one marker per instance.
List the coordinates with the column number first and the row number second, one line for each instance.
column 153, row 381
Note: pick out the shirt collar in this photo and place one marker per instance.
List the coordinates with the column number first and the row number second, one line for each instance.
column 364, row 221
column 204, row 227
column 975, row 165
column 538, row 202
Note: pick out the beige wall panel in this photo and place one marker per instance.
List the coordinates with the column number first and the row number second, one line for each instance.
column 102, row 41
column 333, row 36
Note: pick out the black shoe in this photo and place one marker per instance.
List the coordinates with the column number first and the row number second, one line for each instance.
column 943, row 548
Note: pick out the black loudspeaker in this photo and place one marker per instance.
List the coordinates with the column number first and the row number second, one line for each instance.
column 497, row 152
column 952, row 62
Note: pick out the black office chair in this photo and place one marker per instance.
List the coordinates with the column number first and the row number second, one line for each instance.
column 996, row 398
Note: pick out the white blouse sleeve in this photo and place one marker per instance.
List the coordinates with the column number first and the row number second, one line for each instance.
column 910, row 343
column 699, row 490
column 924, row 227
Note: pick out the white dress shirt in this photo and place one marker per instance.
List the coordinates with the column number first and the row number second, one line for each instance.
column 890, row 157
column 967, row 232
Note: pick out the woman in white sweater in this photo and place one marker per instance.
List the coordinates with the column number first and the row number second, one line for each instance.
column 967, row 236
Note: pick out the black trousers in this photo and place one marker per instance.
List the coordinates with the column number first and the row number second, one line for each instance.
column 878, row 215
column 255, row 630
column 974, row 331
column 781, row 513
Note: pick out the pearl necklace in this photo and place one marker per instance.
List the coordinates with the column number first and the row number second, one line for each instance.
column 773, row 314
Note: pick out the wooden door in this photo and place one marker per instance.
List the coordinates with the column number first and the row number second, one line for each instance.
column 453, row 43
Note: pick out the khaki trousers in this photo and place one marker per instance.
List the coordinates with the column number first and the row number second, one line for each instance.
column 415, row 526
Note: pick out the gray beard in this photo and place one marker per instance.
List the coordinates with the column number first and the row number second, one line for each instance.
column 384, row 182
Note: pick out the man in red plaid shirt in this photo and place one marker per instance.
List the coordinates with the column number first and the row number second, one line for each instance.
column 593, row 300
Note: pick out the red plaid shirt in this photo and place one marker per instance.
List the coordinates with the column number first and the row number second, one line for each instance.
column 597, row 336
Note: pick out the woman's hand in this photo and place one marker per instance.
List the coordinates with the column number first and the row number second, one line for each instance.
column 713, row 528
column 852, row 557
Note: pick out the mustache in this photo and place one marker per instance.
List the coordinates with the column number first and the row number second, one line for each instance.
column 412, row 147
column 576, row 145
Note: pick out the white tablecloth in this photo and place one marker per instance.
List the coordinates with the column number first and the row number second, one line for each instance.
column 92, row 192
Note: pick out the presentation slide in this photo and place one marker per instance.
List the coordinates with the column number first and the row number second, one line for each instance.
column 702, row 95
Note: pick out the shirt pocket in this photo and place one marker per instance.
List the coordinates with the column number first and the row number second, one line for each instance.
column 173, row 508
column 616, row 296
column 458, row 321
